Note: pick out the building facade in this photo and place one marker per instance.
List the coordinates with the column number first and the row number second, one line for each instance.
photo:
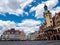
column 50, row 30
column 33, row 36
column 13, row 34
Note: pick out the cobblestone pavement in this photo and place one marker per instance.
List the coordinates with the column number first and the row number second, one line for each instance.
column 29, row 42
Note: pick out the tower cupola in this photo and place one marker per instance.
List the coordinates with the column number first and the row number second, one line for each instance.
column 46, row 11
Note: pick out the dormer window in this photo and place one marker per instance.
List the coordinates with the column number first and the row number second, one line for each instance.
column 12, row 31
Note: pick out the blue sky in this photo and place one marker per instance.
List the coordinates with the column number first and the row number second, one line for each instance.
column 26, row 15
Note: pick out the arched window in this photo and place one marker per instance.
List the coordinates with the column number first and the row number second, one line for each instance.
column 58, row 29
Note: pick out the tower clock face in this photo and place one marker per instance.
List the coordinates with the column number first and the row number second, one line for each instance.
column 46, row 11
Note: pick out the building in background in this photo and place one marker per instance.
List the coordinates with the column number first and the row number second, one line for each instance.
column 33, row 36
column 13, row 34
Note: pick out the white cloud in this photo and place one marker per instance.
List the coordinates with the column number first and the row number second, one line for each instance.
column 39, row 8
column 13, row 6
column 26, row 13
column 25, row 3
column 6, row 24
column 55, row 10
column 28, row 25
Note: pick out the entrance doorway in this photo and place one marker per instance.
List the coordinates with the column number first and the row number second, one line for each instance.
column 54, row 37
column 58, row 37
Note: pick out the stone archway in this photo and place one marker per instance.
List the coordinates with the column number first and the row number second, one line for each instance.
column 58, row 37
column 54, row 37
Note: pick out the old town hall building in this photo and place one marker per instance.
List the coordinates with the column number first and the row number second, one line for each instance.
column 50, row 30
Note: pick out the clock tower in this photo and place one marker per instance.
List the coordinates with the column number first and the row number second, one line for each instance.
column 47, row 16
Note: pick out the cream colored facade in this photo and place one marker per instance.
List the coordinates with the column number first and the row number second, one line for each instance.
column 13, row 35
column 48, row 20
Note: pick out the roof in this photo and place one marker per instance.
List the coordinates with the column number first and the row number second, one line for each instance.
column 10, row 30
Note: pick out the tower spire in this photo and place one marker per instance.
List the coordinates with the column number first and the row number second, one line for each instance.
column 46, row 11
column 47, row 16
column 45, row 7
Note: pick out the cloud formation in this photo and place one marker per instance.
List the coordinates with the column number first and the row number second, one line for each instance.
column 39, row 8
column 55, row 10
column 17, row 7
column 28, row 26
column 13, row 6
